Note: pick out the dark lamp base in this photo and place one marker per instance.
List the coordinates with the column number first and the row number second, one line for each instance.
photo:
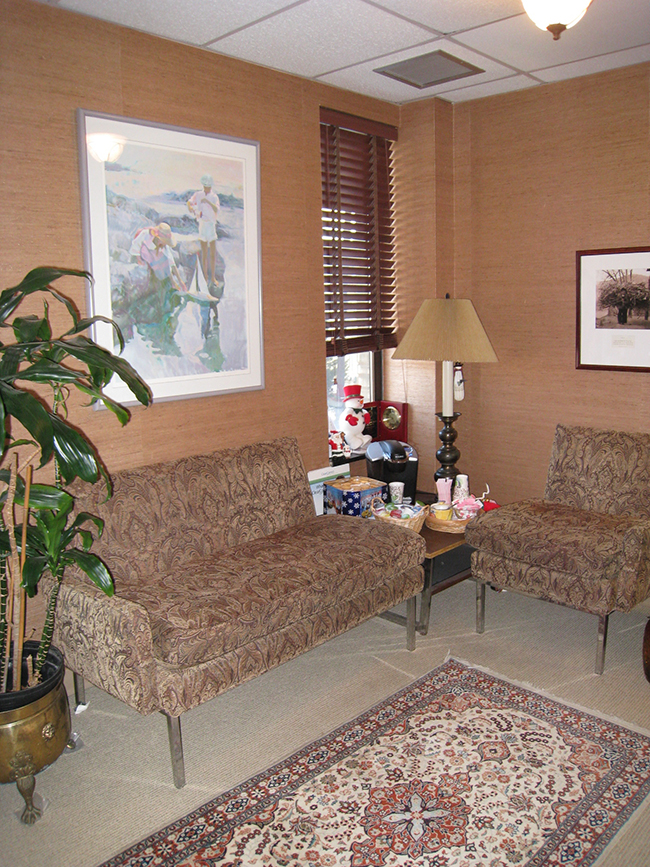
column 447, row 454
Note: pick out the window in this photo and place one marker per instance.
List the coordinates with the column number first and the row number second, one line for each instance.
column 358, row 253
column 353, row 369
column 357, row 222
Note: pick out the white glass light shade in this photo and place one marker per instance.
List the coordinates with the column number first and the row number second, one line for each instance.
column 104, row 147
column 545, row 13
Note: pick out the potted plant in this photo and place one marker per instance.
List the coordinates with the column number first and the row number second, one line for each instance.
column 39, row 532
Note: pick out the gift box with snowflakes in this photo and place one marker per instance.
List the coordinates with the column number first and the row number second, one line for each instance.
column 353, row 496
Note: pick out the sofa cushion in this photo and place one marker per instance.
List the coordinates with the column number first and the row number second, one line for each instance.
column 596, row 595
column 560, row 537
column 242, row 594
column 164, row 517
column 600, row 471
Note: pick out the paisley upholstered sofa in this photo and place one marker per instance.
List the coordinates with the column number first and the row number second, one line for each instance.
column 222, row 571
column 586, row 544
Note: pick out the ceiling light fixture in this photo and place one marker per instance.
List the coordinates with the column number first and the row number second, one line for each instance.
column 555, row 16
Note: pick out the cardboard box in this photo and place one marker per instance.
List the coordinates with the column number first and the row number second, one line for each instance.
column 353, row 496
column 319, row 478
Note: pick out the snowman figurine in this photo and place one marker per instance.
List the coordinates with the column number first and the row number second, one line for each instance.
column 354, row 418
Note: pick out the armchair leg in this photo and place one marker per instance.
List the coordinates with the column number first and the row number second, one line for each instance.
column 176, row 749
column 79, row 692
column 480, row 607
column 411, row 616
column 603, row 621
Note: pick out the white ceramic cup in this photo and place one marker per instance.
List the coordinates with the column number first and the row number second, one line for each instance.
column 396, row 491
column 461, row 487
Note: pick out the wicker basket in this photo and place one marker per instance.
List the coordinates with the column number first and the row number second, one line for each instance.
column 414, row 523
column 450, row 526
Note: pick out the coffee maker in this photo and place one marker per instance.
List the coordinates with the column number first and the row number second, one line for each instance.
column 393, row 461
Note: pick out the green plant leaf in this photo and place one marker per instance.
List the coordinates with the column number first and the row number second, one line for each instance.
column 48, row 497
column 46, row 370
column 33, row 570
column 94, row 567
column 84, row 324
column 40, row 496
column 12, row 357
column 100, row 362
column 50, row 525
column 33, row 416
column 96, row 395
column 38, row 280
column 74, row 453
column 86, row 537
column 84, row 517
column 29, row 329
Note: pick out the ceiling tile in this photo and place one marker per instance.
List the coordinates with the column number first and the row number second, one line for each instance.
column 595, row 64
column 446, row 17
column 490, row 88
column 603, row 30
column 191, row 21
column 322, row 35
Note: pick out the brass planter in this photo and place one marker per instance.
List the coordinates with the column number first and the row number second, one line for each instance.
column 34, row 727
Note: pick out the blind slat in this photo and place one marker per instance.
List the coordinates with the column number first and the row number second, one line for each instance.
column 358, row 257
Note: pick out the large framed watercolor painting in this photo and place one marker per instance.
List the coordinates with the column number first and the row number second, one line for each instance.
column 613, row 309
column 172, row 239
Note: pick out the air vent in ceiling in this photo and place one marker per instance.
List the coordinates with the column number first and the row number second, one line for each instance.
column 426, row 70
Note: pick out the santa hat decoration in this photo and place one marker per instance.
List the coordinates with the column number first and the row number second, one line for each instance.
column 352, row 392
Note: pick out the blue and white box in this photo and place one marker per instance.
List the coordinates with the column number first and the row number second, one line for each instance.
column 353, row 496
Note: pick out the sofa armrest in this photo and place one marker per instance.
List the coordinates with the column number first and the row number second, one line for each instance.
column 634, row 581
column 107, row 640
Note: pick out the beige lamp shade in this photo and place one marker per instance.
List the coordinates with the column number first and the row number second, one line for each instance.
column 446, row 329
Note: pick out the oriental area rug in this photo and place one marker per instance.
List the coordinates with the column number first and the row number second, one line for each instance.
column 458, row 769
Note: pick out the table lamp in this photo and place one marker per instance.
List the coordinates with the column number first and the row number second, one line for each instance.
column 448, row 330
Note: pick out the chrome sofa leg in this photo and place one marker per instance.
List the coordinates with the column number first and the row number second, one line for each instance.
column 480, row 607
column 176, row 749
column 79, row 691
column 603, row 621
column 411, row 617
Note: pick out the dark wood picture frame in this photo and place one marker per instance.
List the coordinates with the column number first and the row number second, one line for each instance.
column 613, row 309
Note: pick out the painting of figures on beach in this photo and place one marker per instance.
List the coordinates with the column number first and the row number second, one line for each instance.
column 173, row 233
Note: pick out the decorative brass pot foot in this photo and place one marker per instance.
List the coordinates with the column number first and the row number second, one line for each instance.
column 34, row 728
column 26, row 786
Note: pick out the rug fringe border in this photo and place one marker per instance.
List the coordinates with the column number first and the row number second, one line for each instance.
column 522, row 684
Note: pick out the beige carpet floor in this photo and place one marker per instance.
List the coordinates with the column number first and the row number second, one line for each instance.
column 117, row 787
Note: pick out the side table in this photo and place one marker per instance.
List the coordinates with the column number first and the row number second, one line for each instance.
column 441, row 571
column 446, row 564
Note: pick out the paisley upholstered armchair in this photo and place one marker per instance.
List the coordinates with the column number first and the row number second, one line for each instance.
column 586, row 544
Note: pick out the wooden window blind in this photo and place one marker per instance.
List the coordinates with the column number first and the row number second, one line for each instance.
column 357, row 219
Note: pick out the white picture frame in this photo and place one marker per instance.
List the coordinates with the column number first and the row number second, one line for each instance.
column 180, row 340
